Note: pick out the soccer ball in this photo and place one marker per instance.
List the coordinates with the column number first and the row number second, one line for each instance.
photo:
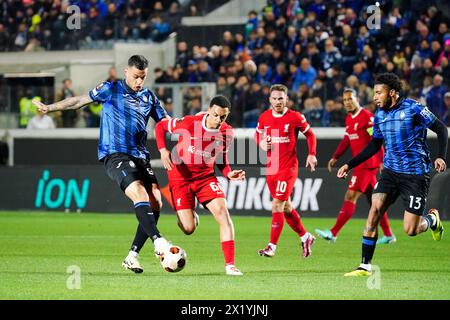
column 174, row 259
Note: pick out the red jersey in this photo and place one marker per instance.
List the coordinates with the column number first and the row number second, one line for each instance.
column 198, row 147
column 358, row 137
column 282, row 130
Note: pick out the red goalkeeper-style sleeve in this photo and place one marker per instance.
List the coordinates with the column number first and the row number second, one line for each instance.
column 160, row 133
column 342, row 147
column 312, row 142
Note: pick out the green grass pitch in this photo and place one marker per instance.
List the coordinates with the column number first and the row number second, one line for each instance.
column 36, row 250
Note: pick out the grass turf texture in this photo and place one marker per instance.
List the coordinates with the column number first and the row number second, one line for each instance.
column 37, row 248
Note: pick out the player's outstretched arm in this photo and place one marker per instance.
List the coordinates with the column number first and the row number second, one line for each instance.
column 71, row 103
column 442, row 136
column 340, row 150
column 370, row 150
column 236, row 175
column 161, row 129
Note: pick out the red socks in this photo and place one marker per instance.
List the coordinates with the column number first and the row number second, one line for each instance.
column 347, row 210
column 228, row 251
column 276, row 227
column 293, row 220
column 384, row 224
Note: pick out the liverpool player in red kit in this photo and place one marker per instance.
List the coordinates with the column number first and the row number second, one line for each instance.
column 358, row 125
column 277, row 133
column 204, row 141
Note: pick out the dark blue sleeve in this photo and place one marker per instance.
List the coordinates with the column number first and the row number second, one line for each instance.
column 377, row 134
column 425, row 116
column 157, row 112
column 102, row 92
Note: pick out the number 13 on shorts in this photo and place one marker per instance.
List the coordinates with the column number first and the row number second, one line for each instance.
column 415, row 202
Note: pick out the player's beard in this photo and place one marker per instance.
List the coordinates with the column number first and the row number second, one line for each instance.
column 387, row 104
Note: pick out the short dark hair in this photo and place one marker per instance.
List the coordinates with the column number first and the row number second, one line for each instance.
column 279, row 87
column 220, row 101
column 138, row 61
column 391, row 80
column 351, row 90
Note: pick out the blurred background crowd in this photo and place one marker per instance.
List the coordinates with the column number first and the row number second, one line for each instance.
column 316, row 48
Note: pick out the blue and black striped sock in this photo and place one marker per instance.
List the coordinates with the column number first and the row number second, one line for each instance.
column 141, row 237
column 368, row 248
column 147, row 219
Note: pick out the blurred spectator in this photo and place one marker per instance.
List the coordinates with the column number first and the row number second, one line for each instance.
column 92, row 114
column 4, row 39
column 313, row 112
column 331, row 56
column 173, row 16
column 168, row 105
column 446, row 116
column 254, row 103
column 41, row 121
column 334, row 114
column 205, row 73
column 183, row 55
column 223, row 88
column 26, row 108
column 69, row 116
column 112, row 75
column 435, row 97
column 193, row 11
column 194, row 106
column 304, row 75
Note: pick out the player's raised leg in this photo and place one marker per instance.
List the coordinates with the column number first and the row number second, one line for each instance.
column 219, row 210
column 414, row 192
column 379, row 206
column 414, row 224
column 294, row 221
column 187, row 220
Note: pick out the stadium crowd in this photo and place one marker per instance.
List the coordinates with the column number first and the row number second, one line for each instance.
column 315, row 47
column 33, row 25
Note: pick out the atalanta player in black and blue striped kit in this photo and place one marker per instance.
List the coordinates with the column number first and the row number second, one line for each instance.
column 402, row 124
column 127, row 108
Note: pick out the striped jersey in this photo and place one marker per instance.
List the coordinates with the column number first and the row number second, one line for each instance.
column 404, row 130
column 124, row 118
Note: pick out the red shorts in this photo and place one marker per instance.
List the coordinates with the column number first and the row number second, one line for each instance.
column 363, row 180
column 282, row 184
column 184, row 192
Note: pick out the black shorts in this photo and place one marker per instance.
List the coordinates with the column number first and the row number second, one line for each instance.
column 413, row 189
column 125, row 169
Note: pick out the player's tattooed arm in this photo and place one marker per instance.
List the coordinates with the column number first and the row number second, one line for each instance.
column 71, row 103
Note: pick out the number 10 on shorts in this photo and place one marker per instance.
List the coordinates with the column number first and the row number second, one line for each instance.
column 281, row 186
